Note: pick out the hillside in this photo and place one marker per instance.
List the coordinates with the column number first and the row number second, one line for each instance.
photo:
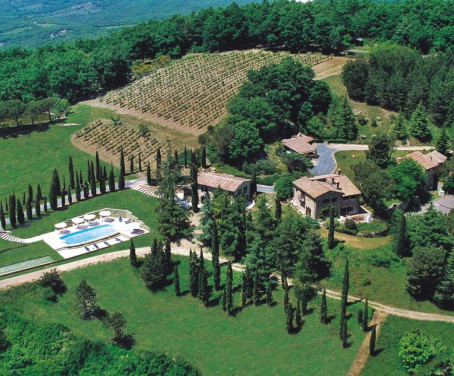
column 30, row 23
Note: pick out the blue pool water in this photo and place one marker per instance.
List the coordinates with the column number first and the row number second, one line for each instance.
column 85, row 236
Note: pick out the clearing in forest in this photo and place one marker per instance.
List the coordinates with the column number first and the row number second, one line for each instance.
column 191, row 94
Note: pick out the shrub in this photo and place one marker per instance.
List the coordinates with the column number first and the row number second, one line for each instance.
column 382, row 257
column 284, row 188
column 53, row 282
column 350, row 224
column 261, row 167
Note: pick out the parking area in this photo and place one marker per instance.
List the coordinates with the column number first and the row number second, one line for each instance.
column 444, row 204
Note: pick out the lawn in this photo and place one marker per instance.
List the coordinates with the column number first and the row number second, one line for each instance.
column 377, row 274
column 142, row 206
column 387, row 362
column 255, row 342
column 30, row 157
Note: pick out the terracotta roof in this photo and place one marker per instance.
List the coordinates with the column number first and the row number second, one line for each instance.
column 300, row 144
column 430, row 160
column 322, row 184
column 226, row 182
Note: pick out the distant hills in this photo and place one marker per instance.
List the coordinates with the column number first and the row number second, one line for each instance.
column 31, row 23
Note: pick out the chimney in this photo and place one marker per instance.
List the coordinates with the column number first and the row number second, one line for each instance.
column 337, row 185
column 332, row 181
column 338, row 171
column 213, row 169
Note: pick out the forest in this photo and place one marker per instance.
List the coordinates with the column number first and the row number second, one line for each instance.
column 89, row 66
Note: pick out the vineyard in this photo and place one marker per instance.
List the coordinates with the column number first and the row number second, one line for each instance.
column 191, row 94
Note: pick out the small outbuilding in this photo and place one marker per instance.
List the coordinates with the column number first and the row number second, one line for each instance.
column 431, row 163
column 234, row 185
column 300, row 144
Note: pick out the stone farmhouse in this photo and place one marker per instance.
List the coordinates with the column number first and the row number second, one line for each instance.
column 209, row 181
column 431, row 163
column 301, row 144
column 313, row 194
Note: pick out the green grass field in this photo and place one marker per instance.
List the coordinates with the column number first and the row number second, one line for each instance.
column 30, row 158
column 387, row 362
column 255, row 342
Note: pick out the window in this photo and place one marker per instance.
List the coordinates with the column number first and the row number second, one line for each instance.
column 334, row 199
column 326, row 201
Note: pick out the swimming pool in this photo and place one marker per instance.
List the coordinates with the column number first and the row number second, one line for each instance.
column 85, row 236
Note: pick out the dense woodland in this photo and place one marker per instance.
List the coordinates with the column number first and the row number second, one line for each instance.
column 86, row 67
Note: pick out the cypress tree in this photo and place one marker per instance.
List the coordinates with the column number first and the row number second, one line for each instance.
column 331, row 240
column 45, row 204
column 373, row 338
column 104, row 173
column 298, row 315
column 111, row 179
column 98, row 166
column 12, row 210
column 224, row 299
column 175, row 158
column 39, row 194
column 195, row 195
column 88, row 172
column 366, row 315
column 148, row 174
column 56, row 181
column 323, row 308
column 30, row 192
column 185, row 158
column 20, row 213
column 23, row 199
column 360, row 316
column 158, row 165
column 254, row 183
column 269, row 294
column 140, row 161
column 121, row 179
column 93, row 181
column 86, row 191
column 344, row 335
column 344, row 298
column 176, row 281
column 290, row 313
column 401, row 243
column 256, row 296
column 204, row 291
column 168, row 255
column 229, row 288
column 204, row 157
column 6, row 203
column 131, row 164
column 71, row 173
column 194, row 275
column 70, row 196
column 29, row 209
column 278, row 209
column 132, row 254
column 63, row 196
column 285, row 298
column 81, row 178
column 77, row 188
column 53, row 199
column 102, row 184
column 243, row 290
column 2, row 217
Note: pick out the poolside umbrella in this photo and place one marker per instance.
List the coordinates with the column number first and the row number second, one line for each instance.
column 105, row 213
column 89, row 217
column 77, row 220
column 60, row 226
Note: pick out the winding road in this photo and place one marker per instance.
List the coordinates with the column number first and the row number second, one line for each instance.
column 184, row 251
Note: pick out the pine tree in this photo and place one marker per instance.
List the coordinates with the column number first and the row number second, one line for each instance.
column 98, row 167
column 158, row 165
column 331, row 240
column 269, row 294
column 176, row 281
column 443, row 142
column 102, row 183
column 77, row 188
column 323, row 308
column 444, row 293
column 131, row 164
column 290, row 313
column 121, row 178
column 344, row 298
column 111, row 179
column 93, row 181
column 419, row 123
column 373, row 337
column 132, row 254
column 2, row 217
column 29, row 209
column 400, row 129
column 256, row 296
column 366, row 316
column 140, row 161
column 344, row 334
column 204, row 157
column 12, row 210
column 278, row 209
column 148, row 174
column 20, row 213
column 229, row 288
column 168, row 255
column 71, row 173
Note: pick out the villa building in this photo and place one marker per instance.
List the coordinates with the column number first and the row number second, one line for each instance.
column 313, row 194
column 301, row 144
column 431, row 163
column 209, row 181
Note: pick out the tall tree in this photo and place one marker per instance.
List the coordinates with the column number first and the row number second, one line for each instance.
column 93, row 181
column 229, row 292
column 290, row 314
column 158, row 165
column 12, row 210
column 111, row 179
column 78, row 196
column 366, row 316
column 2, row 217
column 149, row 174
column 215, row 257
column 28, row 209
column 140, row 161
column 344, row 297
column 269, row 294
column 420, row 124
column 253, row 188
column 131, row 164
column 204, row 290
column 444, row 293
column 331, row 240
column 185, row 157
column 380, row 149
column 443, row 142
column 401, row 247
column 278, row 209
column 121, row 178
column 323, row 308
column 176, row 281
column 195, row 194
column 204, row 158
column 193, row 274
column 102, row 183
column 71, row 173
column 87, row 301
column 132, row 254
column 98, row 166
column 373, row 338
column 53, row 191
column 344, row 334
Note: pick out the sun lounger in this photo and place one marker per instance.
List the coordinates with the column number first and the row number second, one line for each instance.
column 96, row 246
column 118, row 240
column 128, row 221
column 107, row 244
column 87, row 249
